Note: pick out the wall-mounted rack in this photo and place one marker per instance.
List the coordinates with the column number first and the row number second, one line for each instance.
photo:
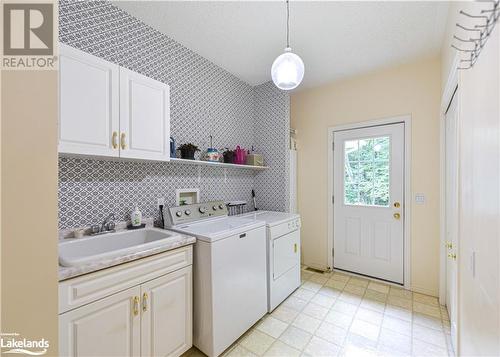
column 476, row 34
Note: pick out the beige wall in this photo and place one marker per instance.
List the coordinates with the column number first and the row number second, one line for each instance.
column 413, row 89
column 29, row 204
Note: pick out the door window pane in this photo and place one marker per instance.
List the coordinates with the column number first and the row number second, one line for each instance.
column 366, row 171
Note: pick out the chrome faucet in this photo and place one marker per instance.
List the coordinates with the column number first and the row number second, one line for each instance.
column 107, row 226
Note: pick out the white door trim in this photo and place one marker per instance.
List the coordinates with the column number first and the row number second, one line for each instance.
column 406, row 119
column 449, row 90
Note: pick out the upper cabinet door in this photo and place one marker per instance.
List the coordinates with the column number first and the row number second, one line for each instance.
column 89, row 104
column 144, row 117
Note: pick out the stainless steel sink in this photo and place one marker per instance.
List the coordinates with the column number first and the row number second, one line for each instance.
column 93, row 249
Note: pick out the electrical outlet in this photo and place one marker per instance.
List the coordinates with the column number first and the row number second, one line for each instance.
column 161, row 201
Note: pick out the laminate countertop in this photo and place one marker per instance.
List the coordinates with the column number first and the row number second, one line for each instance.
column 174, row 243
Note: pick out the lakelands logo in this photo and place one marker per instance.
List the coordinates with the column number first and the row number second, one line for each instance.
column 12, row 343
column 28, row 36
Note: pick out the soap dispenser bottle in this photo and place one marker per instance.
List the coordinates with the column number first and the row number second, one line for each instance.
column 136, row 217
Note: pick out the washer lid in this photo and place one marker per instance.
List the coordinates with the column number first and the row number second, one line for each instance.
column 218, row 228
column 271, row 218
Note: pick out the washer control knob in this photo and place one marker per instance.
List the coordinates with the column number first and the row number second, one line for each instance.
column 202, row 209
column 178, row 213
column 187, row 212
column 221, row 206
column 214, row 208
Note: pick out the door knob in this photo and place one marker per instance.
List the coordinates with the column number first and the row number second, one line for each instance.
column 452, row 256
column 449, row 245
column 397, row 215
column 397, row 204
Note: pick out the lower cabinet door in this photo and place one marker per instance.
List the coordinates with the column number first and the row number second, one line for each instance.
column 166, row 324
column 108, row 327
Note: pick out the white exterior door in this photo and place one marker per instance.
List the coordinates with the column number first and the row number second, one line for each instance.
column 108, row 327
column 144, row 117
column 368, row 201
column 451, row 209
column 166, row 325
column 89, row 104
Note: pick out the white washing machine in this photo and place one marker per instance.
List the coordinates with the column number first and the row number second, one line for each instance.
column 229, row 272
column 283, row 253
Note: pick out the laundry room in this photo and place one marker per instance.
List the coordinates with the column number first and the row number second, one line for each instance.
column 250, row 178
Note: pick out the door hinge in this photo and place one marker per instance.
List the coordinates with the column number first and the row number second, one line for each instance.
column 333, row 146
column 333, row 199
column 332, row 252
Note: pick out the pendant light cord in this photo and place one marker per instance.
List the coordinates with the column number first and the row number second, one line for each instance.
column 287, row 24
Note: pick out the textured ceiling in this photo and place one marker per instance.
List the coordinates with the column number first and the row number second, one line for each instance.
column 335, row 39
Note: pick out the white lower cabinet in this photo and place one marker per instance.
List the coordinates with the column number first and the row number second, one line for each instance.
column 166, row 328
column 107, row 327
column 153, row 318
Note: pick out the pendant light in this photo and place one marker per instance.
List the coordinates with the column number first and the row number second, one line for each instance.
column 287, row 70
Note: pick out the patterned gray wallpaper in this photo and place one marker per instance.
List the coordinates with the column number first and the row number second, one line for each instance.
column 272, row 137
column 205, row 99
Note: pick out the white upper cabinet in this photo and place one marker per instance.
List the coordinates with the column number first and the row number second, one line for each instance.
column 144, row 117
column 89, row 104
column 108, row 110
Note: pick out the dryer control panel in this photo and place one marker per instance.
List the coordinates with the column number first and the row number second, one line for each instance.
column 194, row 212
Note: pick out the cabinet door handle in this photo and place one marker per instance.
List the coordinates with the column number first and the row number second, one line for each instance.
column 123, row 143
column 136, row 305
column 295, row 248
column 145, row 302
column 113, row 140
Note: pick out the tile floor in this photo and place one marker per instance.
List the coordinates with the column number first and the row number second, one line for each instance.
column 335, row 314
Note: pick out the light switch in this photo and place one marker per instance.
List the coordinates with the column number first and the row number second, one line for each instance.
column 419, row 198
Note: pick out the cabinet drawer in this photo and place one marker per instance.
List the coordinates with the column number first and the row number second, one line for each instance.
column 85, row 289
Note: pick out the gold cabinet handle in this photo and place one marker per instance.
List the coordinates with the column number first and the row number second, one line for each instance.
column 113, row 140
column 136, row 305
column 452, row 256
column 123, row 142
column 295, row 248
column 144, row 302
column 397, row 204
column 449, row 245
column 397, row 215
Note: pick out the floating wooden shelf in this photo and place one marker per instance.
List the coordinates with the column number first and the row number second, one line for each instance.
column 215, row 164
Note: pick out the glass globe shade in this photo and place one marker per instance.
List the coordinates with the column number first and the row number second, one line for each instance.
column 287, row 70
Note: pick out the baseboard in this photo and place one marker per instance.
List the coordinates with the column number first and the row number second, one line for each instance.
column 424, row 291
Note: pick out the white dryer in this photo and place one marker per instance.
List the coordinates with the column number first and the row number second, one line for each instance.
column 283, row 254
column 229, row 272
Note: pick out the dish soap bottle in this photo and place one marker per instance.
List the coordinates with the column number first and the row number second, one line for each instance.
column 136, row 217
